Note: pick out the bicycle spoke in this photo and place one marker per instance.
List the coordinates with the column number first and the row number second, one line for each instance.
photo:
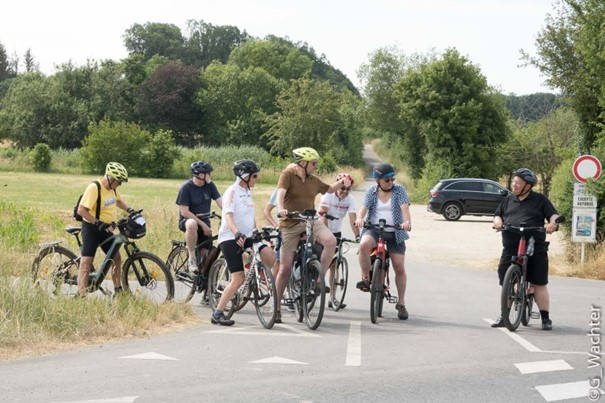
column 184, row 283
column 55, row 270
column 145, row 274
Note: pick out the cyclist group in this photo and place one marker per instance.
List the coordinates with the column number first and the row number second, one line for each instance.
column 296, row 190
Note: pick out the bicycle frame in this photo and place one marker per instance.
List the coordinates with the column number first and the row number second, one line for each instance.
column 382, row 256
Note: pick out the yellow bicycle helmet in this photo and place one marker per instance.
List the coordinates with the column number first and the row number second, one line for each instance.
column 116, row 171
column 305, row 154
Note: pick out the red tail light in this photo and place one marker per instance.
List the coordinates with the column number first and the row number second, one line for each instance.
column 434, row 193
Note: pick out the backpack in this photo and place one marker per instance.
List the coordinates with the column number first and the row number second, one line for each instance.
column 77, row 216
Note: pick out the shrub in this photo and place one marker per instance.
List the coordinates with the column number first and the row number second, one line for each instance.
column 40, row 157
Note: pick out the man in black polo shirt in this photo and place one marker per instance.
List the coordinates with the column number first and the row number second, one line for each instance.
column 531, row 208
column 195, row 197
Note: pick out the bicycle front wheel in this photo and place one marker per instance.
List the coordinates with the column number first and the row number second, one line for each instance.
column 145, row 274
column 313, row 294
column 376, row 291
column 339, row 283
column 184, row 283
column 55, row 270
column 512, row 300
column 263, row 289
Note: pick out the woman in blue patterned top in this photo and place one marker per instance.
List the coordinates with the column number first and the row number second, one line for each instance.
column 387, row 201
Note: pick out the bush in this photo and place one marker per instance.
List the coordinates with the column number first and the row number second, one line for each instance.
column 40, row 157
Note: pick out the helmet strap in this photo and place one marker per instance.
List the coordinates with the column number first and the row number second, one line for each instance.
column 380, row 187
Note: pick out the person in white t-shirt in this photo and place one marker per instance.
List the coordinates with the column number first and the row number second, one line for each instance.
column 339, row 204
column 237, row 225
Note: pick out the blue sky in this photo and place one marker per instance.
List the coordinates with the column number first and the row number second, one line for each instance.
column 490, row 33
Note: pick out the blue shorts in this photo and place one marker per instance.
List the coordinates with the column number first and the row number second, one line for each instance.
column 389, row 238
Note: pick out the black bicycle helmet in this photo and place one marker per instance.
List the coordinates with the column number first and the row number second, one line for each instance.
column 527, row 175
column 242, row 167
column 201, row 167
column 383, row 170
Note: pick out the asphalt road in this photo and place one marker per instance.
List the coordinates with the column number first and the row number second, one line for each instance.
column 446, row 351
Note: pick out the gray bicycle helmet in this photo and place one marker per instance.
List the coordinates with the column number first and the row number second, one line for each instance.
column 201, row 167
column 527, row 175
column 242, row 167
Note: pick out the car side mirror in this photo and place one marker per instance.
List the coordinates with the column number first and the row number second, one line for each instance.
column 503, row 192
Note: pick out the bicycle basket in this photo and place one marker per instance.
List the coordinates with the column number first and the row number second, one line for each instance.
column 136, row 227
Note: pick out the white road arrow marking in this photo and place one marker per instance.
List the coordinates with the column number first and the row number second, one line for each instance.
column 278, row 360
column 562, row 391
column 125, row 399
column 255, row 331
column 542, row 366
column 150, row 356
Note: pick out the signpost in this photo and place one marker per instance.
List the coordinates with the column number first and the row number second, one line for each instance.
column 584, row 225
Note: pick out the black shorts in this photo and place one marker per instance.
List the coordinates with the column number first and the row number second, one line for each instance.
column 200, row 233
column 233, row 254
column 92, row 238
column 537, row 267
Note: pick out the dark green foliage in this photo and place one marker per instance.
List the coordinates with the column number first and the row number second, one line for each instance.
column 154, row 38
column 532, row 107
column 40, row 157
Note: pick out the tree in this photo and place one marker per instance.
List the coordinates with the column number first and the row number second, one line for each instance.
column 234, row 103
column 166, row 100
column 532, row 107
column 461, row 120
column 310, row 114
column 277, row 57
column 206, row 42
column 30, row 63
column 571, row 55
column 7, row 65
column 155, row 38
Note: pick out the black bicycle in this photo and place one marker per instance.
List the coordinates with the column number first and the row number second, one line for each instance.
column 307, row 287
column 186, row 284
column 517, row 298
column 55, row 268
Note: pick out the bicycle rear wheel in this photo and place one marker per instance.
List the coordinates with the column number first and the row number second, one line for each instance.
column 146, row 274
column 263, row 289
column 217, row 282
column 527, row 309
column 294, row 293
column 376, row 291
column 313, row 294
column 55, row 270
column 512, row 300
column 184, row 283
column 339, row 283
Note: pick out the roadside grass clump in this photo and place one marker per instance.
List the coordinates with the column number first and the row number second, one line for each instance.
column 32, row 321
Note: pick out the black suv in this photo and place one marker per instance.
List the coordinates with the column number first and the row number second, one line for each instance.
column 465, row 196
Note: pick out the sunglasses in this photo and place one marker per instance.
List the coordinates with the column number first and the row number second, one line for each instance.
column 255, row 176
column 345, row 189
column 387, row 180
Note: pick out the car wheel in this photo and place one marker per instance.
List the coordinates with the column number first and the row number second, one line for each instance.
column 452, row 211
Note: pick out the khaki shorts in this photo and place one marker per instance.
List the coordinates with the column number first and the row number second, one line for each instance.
column 291, row 236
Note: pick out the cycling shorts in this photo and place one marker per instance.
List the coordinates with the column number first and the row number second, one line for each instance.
column 92, row 238
column 537, row 267
column 389, row 238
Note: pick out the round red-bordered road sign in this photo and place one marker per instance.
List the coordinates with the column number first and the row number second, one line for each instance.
column 586, row 166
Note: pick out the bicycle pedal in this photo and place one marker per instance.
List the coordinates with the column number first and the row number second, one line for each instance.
column 535, row 315
column 391, row 299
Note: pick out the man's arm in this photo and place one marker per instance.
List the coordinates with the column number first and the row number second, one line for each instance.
column 281, row 193
column 338, row 184
column 352, row 219
column 267, row 212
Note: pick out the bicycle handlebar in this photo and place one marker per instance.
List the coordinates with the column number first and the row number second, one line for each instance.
column 208, row 215
column 522, row 228
column 308, row 214
column 381, row 224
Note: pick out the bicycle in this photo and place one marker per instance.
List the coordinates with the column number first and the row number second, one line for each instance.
column 186, row 284
column 340, row 278
column 379, row 272
column 258, row 286
column 307, row 287
column 517, row 298
column 55, row 268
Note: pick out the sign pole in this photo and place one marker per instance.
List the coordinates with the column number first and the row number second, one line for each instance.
column 582, row 254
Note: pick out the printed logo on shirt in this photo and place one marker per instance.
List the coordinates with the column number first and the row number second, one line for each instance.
column 110, row 201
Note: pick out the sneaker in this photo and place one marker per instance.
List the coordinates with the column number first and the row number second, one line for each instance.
column 546, row 324
column 290, row 306
column 221, row 319
column 364, row 285
column 402, row 313
column 192, row 266
column 330, row 305
column 499, row 322
column 278, row 317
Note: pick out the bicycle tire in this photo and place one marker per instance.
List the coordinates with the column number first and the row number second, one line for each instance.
column 527, row 309
column 313, row 294
column 217, row 281
column 263, row 289
column 55, row 270
column 340, row 279
column 512, row 300
column 145, row 274
column 294, row 293
column 184, row 283
column 376, row 292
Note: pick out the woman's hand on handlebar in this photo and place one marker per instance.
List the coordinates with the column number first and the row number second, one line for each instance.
column 359, row 223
